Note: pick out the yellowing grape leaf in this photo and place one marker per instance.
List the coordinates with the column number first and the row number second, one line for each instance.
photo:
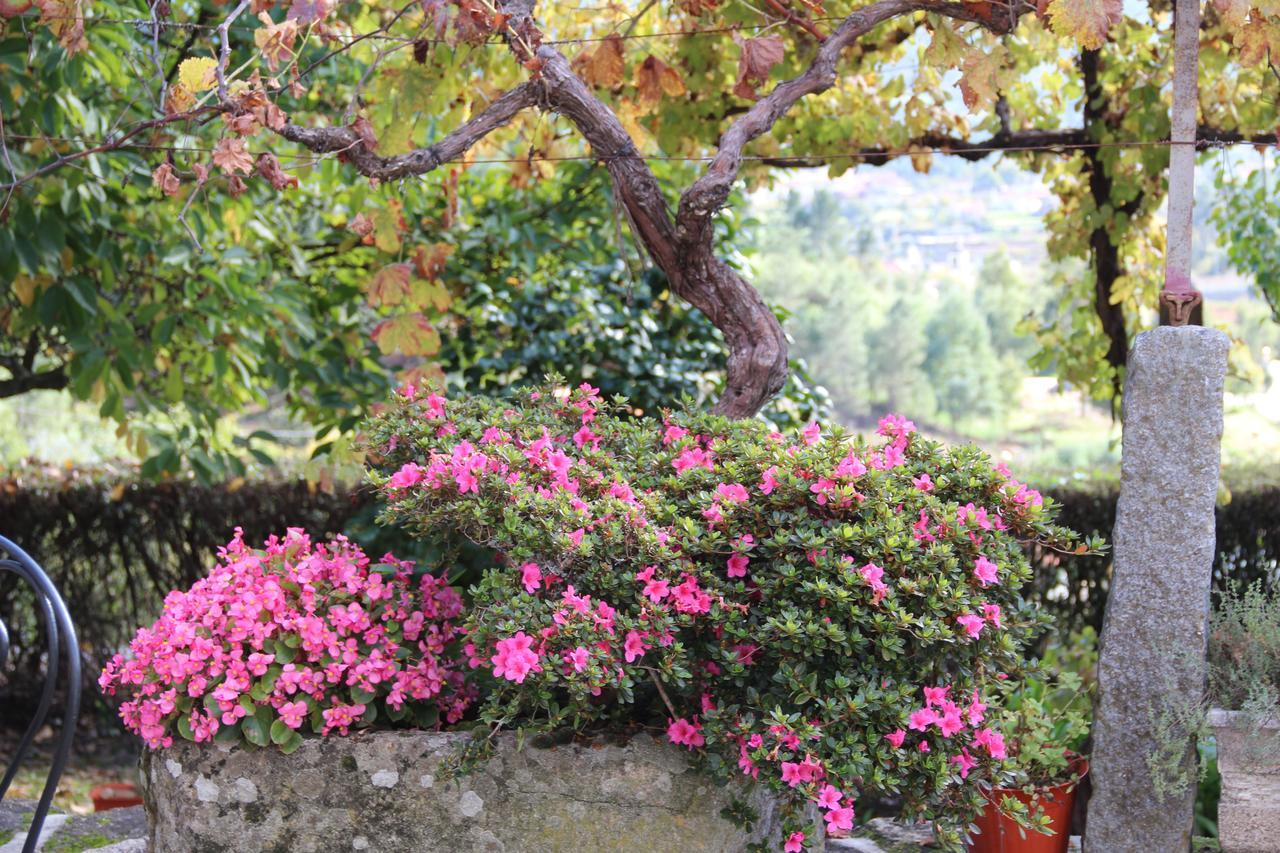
column 1087, row 21
column 166, row 179
column 1234, row 13
column 198, row 73
column 946, row 49
column 1258, row 38
column 756, row 60
column 410, row 334
column 65, row 18
column 604, row 65
column 981, row 78
column 24, row 287
column 388, row 224
column 389, row 285
column 429, row 294
column 430, row 260
column 654, row 78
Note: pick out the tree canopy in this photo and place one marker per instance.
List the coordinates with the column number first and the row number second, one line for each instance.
column 187, row 180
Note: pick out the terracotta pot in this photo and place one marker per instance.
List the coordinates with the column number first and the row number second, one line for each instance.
column 1001, row 834
column 120, row 795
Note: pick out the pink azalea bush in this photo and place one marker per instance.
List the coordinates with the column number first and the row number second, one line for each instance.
column 825, row 616
column 294, row 638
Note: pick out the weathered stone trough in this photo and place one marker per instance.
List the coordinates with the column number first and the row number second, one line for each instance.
column 1249, row 761
column 385, row 791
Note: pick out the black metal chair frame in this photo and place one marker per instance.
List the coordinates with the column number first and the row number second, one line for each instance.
column 61, row 639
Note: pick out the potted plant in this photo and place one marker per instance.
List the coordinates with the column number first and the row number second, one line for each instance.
column 684, row 618
column 1045, row 722
column 1244, row 716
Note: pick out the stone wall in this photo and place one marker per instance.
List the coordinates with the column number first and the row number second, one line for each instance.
column 385, row 792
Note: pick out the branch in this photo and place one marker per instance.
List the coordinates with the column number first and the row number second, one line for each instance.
column 21, row 383
column 345, row 141
column 709, row 193
column 1015, row 141
column 111, row 143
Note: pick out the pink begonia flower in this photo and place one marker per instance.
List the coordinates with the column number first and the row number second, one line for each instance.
column 991, row 612
column 768, row 481
column 985, row 571
column 924, row 483
column 684, row 733
column 531, row 577
column 922, row 719
column 992, row 741
column 734, row 493
column 965, row 761
column 515, row 658
column 738, row 566
column 896, row 737
column 410, row 474
column 829, row 797
column 293, row 713
column 812, row 433
column 839, row 821
column 578, row 658
column 795, row 843
column 634, row 646
column 972, row 624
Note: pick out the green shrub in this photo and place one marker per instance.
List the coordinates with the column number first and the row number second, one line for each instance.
column 828, row 616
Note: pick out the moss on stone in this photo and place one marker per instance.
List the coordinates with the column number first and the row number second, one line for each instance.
column 78, row 843
column 6, row 836
column 349, row 764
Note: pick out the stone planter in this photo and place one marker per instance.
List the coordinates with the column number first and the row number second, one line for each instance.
column 384, row 792
column 1249, row 761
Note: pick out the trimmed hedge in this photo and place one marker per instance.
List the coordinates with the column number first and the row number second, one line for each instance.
column 115, row 547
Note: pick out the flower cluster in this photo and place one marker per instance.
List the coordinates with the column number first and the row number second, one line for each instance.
column 823, row 615
column 294, row 638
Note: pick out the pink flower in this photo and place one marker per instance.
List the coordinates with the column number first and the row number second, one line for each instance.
column 950, row 722
column 985, row 571
column 924, row 483
column 795, row 843
column 685, row 733
column 693, row 457
column 992, row 741
column 576, row 537
column 965, row 761
column 935, row 696
column 895, row 738
column 812, row 433
column 738, row 566
column 923, row 746
column 734, row 493
column 656, row 590
column 829, row 797
column 839, row 820
column 976, row 711
column 578, row 658
column 872, row 574
column 972, row 624
column 634, row 646
column 991, row 612
column 768, row 481
column 922, row 719
column 410, row 474
column 851, row 467
column 792, row 774
column 293, row 713
column 467, row 482
column 531, row 577
column 515, row 658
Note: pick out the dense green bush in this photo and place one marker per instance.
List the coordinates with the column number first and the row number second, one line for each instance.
column 828, row 616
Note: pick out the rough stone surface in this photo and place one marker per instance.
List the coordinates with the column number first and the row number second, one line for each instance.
column 1249, row 761
column 332, row 795
column 1156, row 624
